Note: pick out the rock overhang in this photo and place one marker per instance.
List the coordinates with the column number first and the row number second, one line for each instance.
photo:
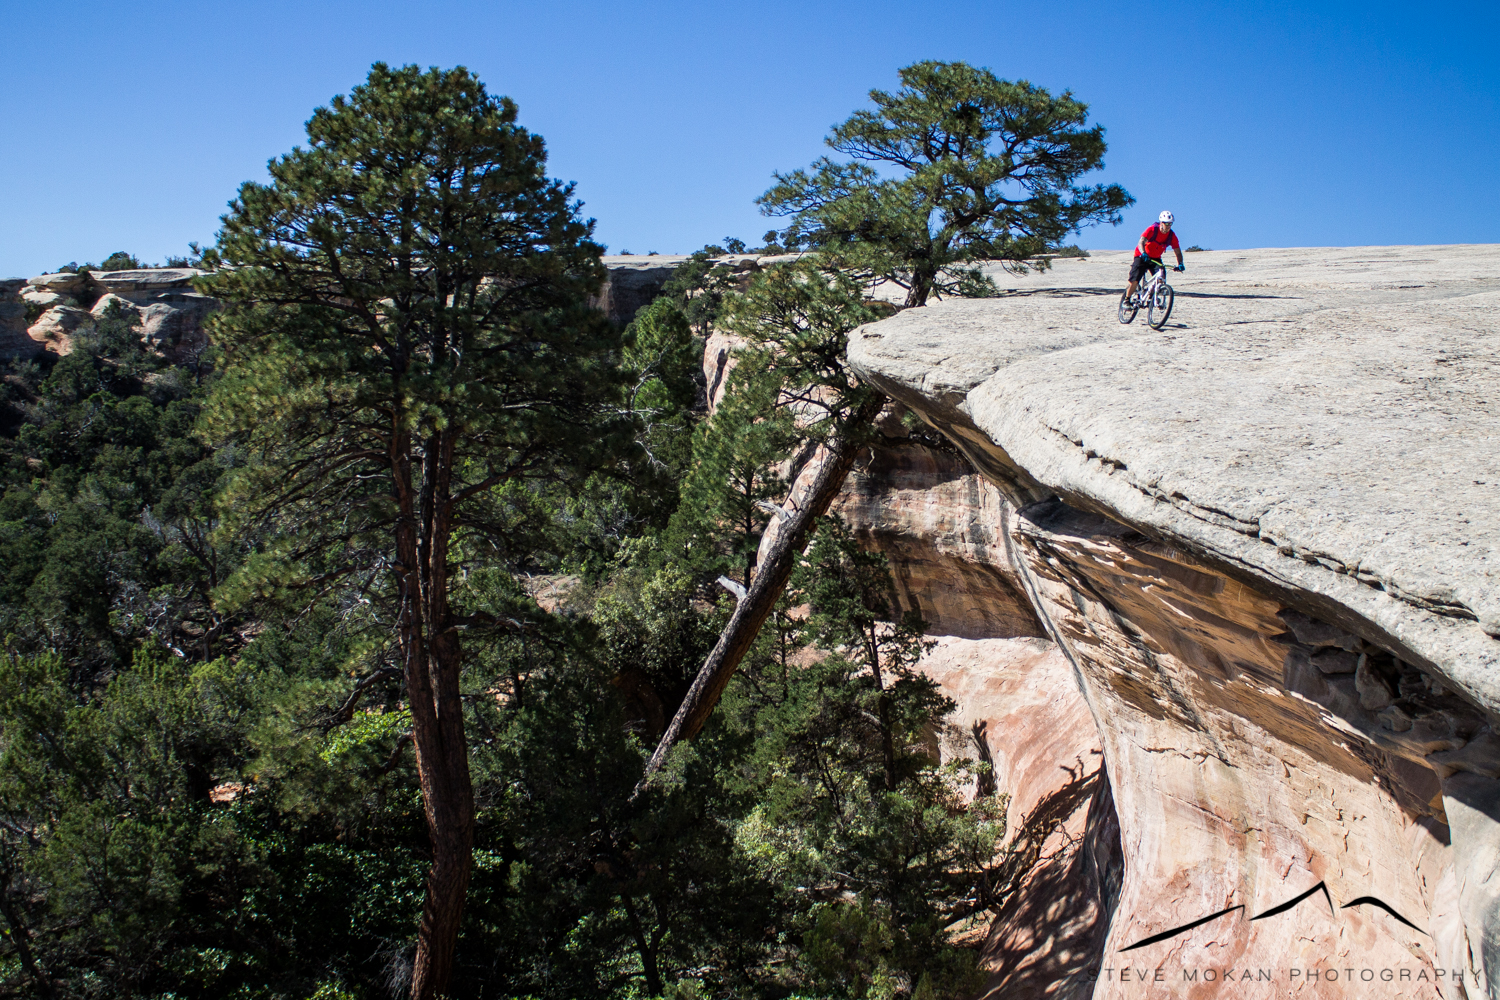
column 1321, row 423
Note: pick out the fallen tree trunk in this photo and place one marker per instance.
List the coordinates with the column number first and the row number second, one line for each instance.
column 752, row 609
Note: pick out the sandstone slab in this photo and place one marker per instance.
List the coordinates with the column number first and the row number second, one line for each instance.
column 63, row 282
column 153, row 279
column 1339, row 440
column 42, row 298
column 1265, row 538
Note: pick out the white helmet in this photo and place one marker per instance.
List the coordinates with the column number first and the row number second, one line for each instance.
column 1165, row 217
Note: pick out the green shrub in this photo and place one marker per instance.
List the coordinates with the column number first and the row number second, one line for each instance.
column 120, row 261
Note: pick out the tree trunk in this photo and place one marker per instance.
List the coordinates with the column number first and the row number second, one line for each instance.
column 883, row 709
column 752, row 610
column 21, row 938
column 433, row 659
column 448, row 800
column 650, row 968
column 921, row 287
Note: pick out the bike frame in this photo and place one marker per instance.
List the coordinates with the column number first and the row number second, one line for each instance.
column 1144, row 290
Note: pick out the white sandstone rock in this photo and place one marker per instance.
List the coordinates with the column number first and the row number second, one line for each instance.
column 110, row 299
column 147, row 279
column 1211, row 519
column 44, row 298
column 55, row 327
column 64, row 282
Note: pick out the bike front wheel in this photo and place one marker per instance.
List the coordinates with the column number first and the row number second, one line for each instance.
column 1160, row 306
column 1128, row 308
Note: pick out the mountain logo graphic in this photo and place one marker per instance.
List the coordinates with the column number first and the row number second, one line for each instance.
column 1273, row 911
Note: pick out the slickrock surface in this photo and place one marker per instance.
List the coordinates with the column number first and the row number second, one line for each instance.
column 1267, row 538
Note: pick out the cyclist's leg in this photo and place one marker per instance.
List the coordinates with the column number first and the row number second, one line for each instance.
column 1138, row 270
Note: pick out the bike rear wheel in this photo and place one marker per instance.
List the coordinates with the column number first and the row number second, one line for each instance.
column 1128, row 309
column 1160, row 306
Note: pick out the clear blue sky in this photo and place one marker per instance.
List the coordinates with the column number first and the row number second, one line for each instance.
column 129, row 126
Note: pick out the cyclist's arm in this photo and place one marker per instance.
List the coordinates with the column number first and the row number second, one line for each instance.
column 1178, row 252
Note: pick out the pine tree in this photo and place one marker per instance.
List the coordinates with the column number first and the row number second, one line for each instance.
column 798, row 318
column 407, row 330
column 734, row 481
column 955, row 168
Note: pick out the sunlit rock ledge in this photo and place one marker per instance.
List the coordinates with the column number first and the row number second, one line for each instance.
column 1267, row 538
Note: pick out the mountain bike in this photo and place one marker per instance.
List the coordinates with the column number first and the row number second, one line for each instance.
column 1155, row 294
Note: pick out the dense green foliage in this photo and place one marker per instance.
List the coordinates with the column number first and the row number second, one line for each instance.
column 955, row 168
column 194, row 819
column 207, row 785
column 106, row 521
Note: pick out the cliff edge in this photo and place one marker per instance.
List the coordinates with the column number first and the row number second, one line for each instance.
column 1267, row 539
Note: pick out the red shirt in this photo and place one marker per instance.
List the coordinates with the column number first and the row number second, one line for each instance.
column 1155, row 245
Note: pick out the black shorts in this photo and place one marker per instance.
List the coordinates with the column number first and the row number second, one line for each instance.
column 1142, row 266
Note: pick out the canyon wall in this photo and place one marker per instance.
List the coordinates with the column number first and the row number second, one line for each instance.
column 42, row 313
column 1264, row 542
column 1220, row 601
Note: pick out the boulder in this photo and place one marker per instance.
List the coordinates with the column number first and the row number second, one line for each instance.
column 43, row 298
column 53, row 329
column 110, row 299
column 176, row 324
column 1267, row 537
column 63, row 282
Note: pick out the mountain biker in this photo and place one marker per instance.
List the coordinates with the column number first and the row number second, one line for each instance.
column 1149, row 248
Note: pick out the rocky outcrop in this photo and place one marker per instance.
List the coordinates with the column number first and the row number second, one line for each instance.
column 162, row 300
column 1265, row 539
column 171, row 313
column 633, row 281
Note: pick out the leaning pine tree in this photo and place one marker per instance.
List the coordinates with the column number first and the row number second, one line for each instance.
column 407, row 331
column 796, row 317
column 956, row 168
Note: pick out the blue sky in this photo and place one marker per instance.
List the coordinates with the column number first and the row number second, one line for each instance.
column 128, row 127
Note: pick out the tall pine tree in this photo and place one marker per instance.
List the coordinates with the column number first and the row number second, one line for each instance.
column 407, row 329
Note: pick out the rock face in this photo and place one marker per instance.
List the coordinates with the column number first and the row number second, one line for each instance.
column 634, row 281
column 170, row 312
column 1266, row 539
column 938, row 522
column 1019, row 698
column 13, row 339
